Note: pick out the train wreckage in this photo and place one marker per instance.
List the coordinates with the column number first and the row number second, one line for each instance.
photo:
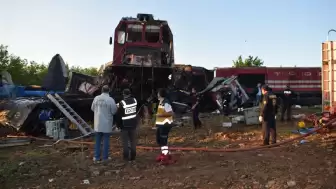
column 143, row 61
column 33, row 107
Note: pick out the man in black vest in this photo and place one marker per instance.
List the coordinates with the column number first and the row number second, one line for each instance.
column 287, row 104
column 267, row 117
column 128, row 112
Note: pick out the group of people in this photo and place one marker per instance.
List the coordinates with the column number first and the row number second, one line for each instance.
column 286, row 98
column 124, row 114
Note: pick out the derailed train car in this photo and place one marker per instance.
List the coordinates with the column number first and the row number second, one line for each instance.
column 29, row 107
column 304, row 81
column 143, row 61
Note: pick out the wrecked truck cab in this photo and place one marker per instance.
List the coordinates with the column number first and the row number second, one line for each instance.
column 210, row 96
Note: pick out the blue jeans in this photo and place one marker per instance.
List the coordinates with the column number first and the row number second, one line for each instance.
column 106, row 145
column 258, row 99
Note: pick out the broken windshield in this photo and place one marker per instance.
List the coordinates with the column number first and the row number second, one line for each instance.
column 143, row 56
column 152, row 34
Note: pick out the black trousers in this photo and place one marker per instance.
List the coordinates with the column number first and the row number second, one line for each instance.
column 128, row 137
column 226, row 109
column 196, row 121
column 162, row 133
column 239, row 102
column 269, row 129
column 286, row 109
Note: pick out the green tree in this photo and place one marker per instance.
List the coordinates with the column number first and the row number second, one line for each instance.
column 250, row 61
column 30, row 73
column 88, row 71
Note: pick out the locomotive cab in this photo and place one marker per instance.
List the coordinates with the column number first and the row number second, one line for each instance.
column 143, row 41
column 143, row 55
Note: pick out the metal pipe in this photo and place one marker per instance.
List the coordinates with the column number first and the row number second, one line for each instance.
column 142, row 67
column 331, row 30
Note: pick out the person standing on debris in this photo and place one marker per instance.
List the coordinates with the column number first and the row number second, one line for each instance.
column 164, row 123
column 226, row 94
column 239, row 99
column 127, row 109
column 195, row 109
column 104, row 108
column 268, row 111
column 258, row 94
column 287, row 104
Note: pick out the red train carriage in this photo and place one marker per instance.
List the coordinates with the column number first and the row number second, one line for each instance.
column 305, row 81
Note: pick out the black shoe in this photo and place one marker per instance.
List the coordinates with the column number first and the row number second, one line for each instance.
column 132, row 158
column 126, row 158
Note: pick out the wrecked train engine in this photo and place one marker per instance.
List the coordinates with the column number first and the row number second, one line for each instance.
column 143, row 61
column 143, row 56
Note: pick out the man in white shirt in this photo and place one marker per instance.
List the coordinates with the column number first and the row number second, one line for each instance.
column 104, row 108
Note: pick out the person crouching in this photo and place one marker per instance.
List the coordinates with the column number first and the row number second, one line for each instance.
column 127, row 109
column 164, row 123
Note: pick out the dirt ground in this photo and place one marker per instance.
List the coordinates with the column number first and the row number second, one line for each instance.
column 311, row 165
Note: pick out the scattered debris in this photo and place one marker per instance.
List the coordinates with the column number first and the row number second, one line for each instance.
column 270, row 184
column 86, row 181
column 95, row 173
column 251, row 115
column 299, row 116
column 227, row 124
column 303, row 141
column 291, row 183
column 297, row 106
column 238, row 119
column 7, row 142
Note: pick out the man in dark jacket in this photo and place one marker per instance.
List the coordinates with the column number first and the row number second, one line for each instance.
column 287, row 102
column 127, row 110
column 239, row 98
column 195, row 109
column 268, row 111
column 226, row 94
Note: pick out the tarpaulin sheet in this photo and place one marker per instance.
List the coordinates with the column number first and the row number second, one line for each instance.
column 18, row 110
column 55, row 80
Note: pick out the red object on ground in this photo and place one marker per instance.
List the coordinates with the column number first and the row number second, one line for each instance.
column 165, row 159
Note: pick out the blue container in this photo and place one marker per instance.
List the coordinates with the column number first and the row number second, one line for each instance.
column 40, row 93
column 7, row 91
column 20, row 91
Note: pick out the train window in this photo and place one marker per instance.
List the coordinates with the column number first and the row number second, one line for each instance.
column 165, row 36
column 134, row 33
column 121, row 37
column 152, row 34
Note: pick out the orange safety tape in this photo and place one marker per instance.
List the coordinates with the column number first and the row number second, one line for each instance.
column 330, row 124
